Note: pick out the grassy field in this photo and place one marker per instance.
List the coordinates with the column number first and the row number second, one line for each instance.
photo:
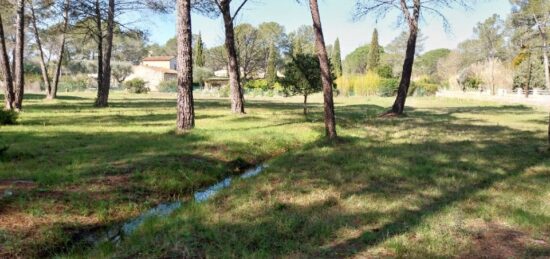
column 452, row 179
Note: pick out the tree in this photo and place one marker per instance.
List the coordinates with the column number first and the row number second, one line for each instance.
column 52, row 94
column 41, row 6
column 223, row 7
column 5, row 68
column 337, row 58
column 199, row 51
column 326, row 75
column 19, row 86
column 302, row 41
column 271, row 71
column 410, row 13
column 491, row 39
column 356, row 61
column 249, row 50
column 302, row 77
column 186, row 110
column 374, row 53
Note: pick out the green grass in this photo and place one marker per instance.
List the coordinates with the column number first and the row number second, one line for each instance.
column 453, row 178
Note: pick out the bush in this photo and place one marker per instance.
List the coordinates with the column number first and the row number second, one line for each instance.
column 168, row 86
column 362, row 85
column 385, row 71
column 224, row 91
column 388, row 87
column 8, row 117
column 261, row 84
column 73, row 84
column 136, row 86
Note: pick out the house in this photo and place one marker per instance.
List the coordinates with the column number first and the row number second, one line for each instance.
column 155, row 70
column 168, row 62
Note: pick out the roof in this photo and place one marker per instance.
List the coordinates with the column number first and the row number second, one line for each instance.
column 161, row 70
column 159, row 58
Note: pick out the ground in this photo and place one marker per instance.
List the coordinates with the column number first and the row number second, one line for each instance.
column 454, row 178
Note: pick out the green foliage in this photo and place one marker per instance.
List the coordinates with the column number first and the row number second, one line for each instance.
column 73, row 83
column 136, row 86
column 261, row 84
column 271, row 72
column 302, row 76
column 336, row 59
column 8, row 117
column 427, row 62
column 168, row 86
column 385, row 71
column 374, row 53
column 530, row 73
column 388, row 87
column 356, row 61
column 199, row 52
column 224, row 91
column 362, row 85
column 200, row 74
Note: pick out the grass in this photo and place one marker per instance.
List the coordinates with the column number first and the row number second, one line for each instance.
column 454, row 178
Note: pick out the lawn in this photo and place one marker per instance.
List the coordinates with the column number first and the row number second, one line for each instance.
column 454, row 178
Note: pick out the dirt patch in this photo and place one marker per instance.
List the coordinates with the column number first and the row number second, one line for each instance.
column 10, row 187
column 499, row 241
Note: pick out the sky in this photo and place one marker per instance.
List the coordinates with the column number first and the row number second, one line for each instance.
column 336, row 16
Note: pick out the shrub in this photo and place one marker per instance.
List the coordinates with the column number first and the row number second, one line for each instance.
column 8, row 117
column 385, row 71
column 257, row 84
column 362, row 85
column 388, row 87
column 73, row 84
column 224, row 91
column 136, row 86
column 168, row 86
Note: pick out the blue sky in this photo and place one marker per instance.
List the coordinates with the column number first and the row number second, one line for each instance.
column 337, row 22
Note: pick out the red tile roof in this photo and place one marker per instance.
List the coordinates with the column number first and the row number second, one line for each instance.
column 158, row 58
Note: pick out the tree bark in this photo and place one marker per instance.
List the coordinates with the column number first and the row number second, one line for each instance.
column 60, row 55
column 19, row 52
column 403, row 90
column 105, row 82
column 237, row 97
column 305, row 104
column 326, row 76
column 5, row 69
column 43, row 65
column 99, row 41
column 186, row 109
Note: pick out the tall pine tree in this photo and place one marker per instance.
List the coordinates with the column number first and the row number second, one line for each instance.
column 199, row 52
column 374, row 53
column 337, row 59
column 271, row 70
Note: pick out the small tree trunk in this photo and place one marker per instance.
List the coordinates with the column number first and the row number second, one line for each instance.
column 326, row 76
column 528, row 85
column 99, row 41
column 186, row 110
column 237, row 97
column 9, row 95
column 43, row 65
column 61, row 53
column 105, row 83
column 404, row 84
column 18, row 58
column 305, row 104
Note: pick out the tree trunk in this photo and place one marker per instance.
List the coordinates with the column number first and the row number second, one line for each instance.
column 99, row 41
column 43, row 65
column 326, row 76
column 237, row 98
column 18, row 58
column 186, row 109
column 305, row 104
column 404, row 84
column 53, row 93
column 105, row 83
column 528, row 85
column 5, row 69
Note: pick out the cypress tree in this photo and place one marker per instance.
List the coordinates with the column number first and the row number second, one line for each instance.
column 374, row 53
column 199, row 52
column 337, row 58
column 271, row 70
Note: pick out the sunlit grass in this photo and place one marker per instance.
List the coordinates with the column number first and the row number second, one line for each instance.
column 453, row 178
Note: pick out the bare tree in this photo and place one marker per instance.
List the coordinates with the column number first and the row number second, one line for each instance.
column 5, row 68
column 186, row 110
column 411, row 12
column 326, row 75
column 43, row 65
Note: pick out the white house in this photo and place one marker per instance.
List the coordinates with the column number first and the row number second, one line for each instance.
column 155, row 70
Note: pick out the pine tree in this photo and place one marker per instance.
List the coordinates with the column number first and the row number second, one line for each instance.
column 199, row 52
column 271, row 70
column 337, row 59
column 374, row 53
